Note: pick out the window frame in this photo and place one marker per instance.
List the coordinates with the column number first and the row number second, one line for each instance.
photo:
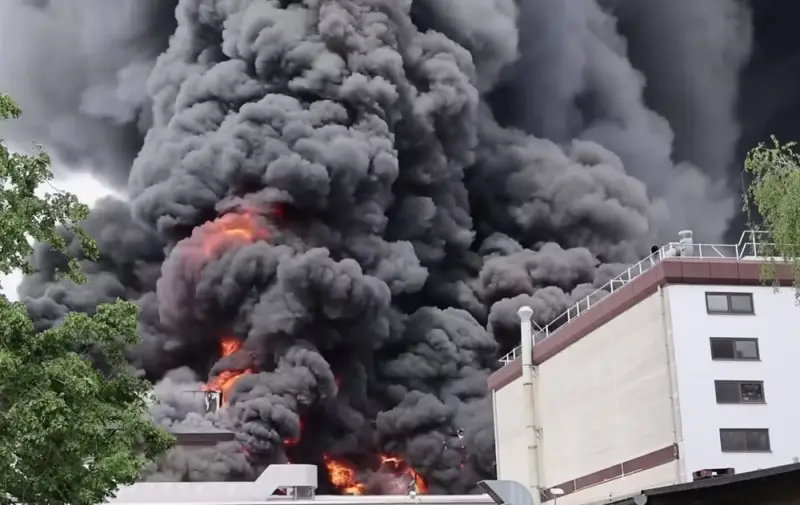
column 741, row 399
column 730, row 311
column 733, row 341
column 745, row 431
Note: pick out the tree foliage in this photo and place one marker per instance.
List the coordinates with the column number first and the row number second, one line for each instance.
column 25, row 215
column 775, row 194
column 73, row 419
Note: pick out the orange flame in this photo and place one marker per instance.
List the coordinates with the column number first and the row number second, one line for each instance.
column 289, row 442
column 344, row 476
column 229, row 229
column 399, row 465
column 225, row 381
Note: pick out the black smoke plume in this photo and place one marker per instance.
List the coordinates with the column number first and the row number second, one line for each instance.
column 414, row 172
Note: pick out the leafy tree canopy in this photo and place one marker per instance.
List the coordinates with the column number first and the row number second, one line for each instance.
column 73, row 419
column 775, row 194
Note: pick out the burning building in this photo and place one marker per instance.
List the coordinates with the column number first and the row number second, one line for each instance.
column 334, row 208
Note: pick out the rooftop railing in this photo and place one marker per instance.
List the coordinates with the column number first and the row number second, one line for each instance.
column 752, row 245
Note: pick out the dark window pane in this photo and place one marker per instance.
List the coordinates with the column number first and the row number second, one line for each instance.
column 727, row 391
column 717, row 302
column 741, row 303
column 752, row 392
column 733, row 440
column 757, row 440
column 746, row 349
column 722, row 349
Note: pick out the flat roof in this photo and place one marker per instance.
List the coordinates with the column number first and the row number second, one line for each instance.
column 677, row 270
column 202, row 438
column 777, row 484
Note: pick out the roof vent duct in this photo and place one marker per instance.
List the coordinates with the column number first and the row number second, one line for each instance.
column 686, row 242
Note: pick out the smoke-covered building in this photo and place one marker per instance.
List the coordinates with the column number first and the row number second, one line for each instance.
column 681, row 368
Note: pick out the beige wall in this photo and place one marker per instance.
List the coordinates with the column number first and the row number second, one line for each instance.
column 604, row 400
column 509, row 430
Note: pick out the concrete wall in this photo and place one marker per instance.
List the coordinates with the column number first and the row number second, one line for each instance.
column 510, row 441
column 606, row 399
column 775, row 324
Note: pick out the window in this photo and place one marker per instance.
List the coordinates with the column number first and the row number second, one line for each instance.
column 729, row 303
column 739, row 391
column 738, row 349
column 744, row 440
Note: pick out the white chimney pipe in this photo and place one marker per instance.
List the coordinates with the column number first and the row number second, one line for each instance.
column 526, row 333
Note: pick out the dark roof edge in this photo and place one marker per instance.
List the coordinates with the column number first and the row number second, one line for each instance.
column 724, row 479
column 641, row 498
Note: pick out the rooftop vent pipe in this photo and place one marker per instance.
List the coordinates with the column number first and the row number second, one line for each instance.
column 686, row 242
column 531, row 430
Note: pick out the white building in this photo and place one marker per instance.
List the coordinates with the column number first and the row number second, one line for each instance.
column 687, row 364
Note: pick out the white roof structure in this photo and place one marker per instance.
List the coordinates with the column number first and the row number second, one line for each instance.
column 261, row 492
column 274, row 477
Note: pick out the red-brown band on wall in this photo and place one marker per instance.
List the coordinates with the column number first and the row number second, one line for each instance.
column 646, row 462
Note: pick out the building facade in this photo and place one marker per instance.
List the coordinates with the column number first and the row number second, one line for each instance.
column 687, row 364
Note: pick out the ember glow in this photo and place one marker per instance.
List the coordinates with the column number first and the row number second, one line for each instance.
column 233, row 229
column 393, row 476
column 225, row 381
column 290, row 442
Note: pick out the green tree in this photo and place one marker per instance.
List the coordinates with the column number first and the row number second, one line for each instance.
column 71, row 431
column 774, row 194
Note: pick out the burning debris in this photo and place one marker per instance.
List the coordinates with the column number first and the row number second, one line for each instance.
column 392, row 476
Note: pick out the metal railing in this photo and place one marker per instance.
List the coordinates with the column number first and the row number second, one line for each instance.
column 750, row 245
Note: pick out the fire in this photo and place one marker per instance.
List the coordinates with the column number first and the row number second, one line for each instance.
column 239, row 228
column 242, row 227
column 399, row 465
column 225, row 381
column 345, row 477
column 289, row 442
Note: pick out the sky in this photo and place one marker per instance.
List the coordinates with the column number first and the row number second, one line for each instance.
column 87, row 189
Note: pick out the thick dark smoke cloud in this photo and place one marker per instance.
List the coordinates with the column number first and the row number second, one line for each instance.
column 415, row 171
column 80, row 69
column 655, row 82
